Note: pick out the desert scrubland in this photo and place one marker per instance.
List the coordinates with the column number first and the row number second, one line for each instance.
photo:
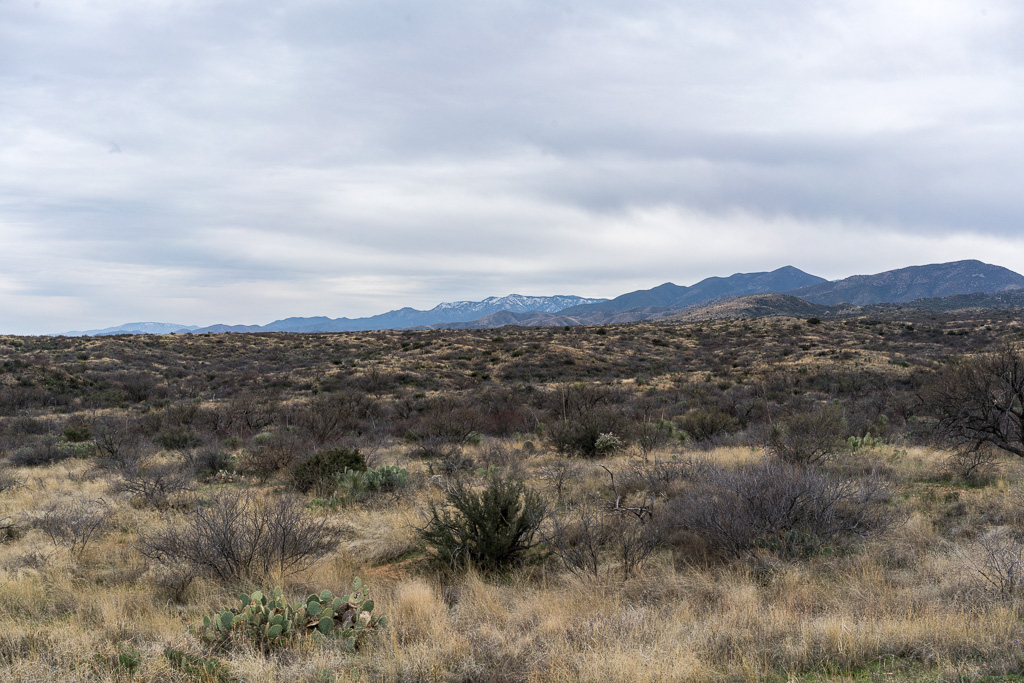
column 765, row 499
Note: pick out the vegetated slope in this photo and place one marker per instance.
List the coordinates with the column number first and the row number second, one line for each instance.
column 670, row 295
column 959, row 302
column 915, row 282
column 776, row 305
column 754, row 306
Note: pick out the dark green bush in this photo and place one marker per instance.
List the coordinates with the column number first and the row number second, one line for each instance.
column 176, row 438
column 318, row 472
column 704, row 424
column 77, row 432
column 490, row 529
column 581, row 434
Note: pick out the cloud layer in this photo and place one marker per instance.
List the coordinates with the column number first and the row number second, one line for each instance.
column 236, row 162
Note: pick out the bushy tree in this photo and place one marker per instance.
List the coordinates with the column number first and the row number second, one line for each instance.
column 979, row 401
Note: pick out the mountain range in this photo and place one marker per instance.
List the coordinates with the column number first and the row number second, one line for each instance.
column 941, row 286
column 134, row 328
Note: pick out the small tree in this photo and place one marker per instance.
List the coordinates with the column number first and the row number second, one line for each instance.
column 979, row 401
column 490, row 529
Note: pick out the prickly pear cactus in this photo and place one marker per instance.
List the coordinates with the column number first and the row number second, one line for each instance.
column 269, row 620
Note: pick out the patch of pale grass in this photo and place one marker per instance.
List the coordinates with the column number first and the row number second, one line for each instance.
column 380, row 535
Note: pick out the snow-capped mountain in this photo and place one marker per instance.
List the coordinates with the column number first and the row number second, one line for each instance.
column 514, row 303
column 448, row 312
column 902, row 285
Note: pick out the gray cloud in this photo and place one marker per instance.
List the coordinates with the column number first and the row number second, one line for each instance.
column 325, row 158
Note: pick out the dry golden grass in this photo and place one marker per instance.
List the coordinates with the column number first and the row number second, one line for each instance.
column 902, row 606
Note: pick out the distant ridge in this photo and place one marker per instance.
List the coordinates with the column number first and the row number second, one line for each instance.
column 449, row 312
column 670, row 295
column 660, row 301
column 132, row 328
column 916, row 282
column 785, row 291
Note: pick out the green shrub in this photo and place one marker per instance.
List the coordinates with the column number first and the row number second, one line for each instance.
column 704, row 424
column 176, row 438
column 490, row 529
column 319, row 471
column 77, row 433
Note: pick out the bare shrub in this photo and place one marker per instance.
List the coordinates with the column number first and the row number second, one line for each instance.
column 8, row 481
column 587, row 536
column 248, row 413
column 559, row 474
column 271, row 452
column 500, row 454
column 505, row 410
column 74, row 525
column 330, row 417
column 8, row 529
column 45, row 451
column 209, row 460
column 996, row 562
column 586, row 413
column 974, row 465
column 654, row 436
column 444, row 427
column 784, row 509
column 810, row 437
column 118, row 440
column 662, row 477
column 240, row 536
column 137, row 386
column 451, row 465
column 601, row 431
column 157, row 483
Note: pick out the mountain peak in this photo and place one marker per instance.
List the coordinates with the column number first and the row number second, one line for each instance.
column 915, row 282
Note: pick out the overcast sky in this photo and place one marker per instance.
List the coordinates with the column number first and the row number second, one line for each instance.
column 196, row 161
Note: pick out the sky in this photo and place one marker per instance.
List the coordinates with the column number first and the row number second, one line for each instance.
column 205, row 161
